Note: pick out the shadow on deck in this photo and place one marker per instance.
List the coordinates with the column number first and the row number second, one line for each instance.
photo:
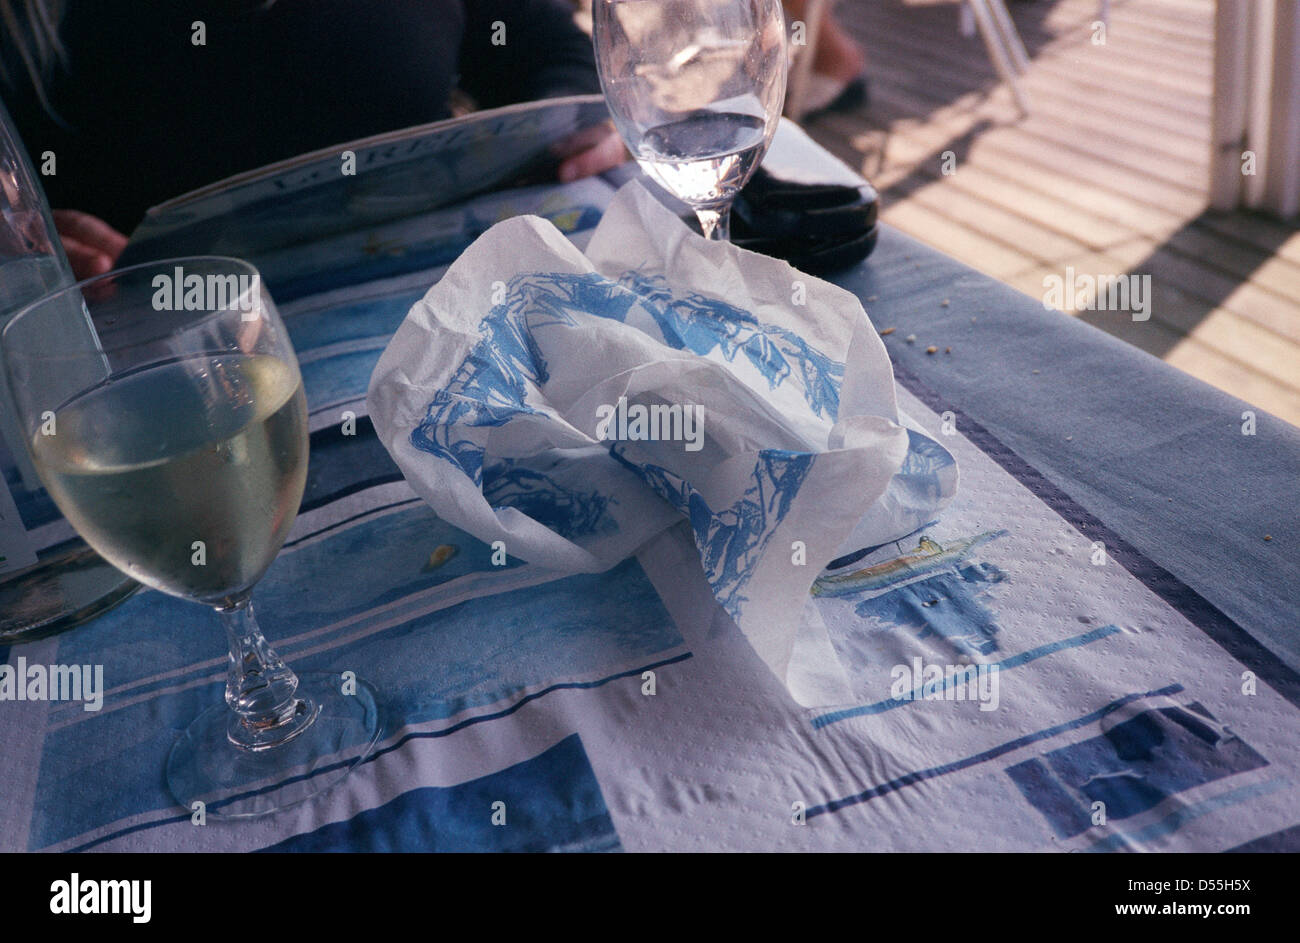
column 1107, row 175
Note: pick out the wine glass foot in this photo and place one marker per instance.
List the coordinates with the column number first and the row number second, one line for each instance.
column 234, row 782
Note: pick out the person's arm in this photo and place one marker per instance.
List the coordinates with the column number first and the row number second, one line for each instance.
column 521, row 50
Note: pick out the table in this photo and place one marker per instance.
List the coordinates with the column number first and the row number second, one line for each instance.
column 1107, row 552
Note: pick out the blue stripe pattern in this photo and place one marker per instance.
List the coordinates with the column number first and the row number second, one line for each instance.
column 1188, row 603
column 919, row 776
column 1015, row 661
column 549, row 803
column 1184, row 814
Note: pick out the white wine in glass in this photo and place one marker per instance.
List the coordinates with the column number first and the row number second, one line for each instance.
column 211, row 445
column 696, row 89
column 176, row 445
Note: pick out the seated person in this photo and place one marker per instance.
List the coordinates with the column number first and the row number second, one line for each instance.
column 142, row 100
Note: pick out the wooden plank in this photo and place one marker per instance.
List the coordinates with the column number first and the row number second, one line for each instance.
column 1278, row 238
column 1042, row 167
column 996, row 223
column 1176, row 24
column 1261, row 268
column 1106, row 176
column 1257, row 307
column 920, row 37
column 1131, row 177
column 1129, row 49
column 1094, row 231
column 1076, row 44
column 1070, row 61
column 1069, row 91
column 1246, row 231
column 983, row 207
column 964, row 245
column 1247, row 323
column 1206, row 364
column 1123, row 90
column 1092, row 193
column 1176, row 314
column 1247, row 344
column 1005, row 189
column 1193, row 355
column 1129, row 149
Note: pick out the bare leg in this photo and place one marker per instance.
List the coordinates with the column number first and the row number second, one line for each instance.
column 838, row 57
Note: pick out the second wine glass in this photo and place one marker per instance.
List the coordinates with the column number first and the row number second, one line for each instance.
column 696, row 89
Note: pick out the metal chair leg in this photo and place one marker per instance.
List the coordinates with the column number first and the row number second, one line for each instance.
column 1010, row 35
column 997, row 51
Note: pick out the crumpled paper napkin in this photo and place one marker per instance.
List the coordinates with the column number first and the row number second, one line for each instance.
column 573, row 406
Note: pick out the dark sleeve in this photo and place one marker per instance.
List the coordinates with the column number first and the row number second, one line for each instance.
column 544, row 53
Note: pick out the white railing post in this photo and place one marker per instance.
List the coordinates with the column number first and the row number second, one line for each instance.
column 1282, row 169
column 1229, row 105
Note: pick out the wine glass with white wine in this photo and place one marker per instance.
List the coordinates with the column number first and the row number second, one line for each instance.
column 696, row 89
column 172, row 433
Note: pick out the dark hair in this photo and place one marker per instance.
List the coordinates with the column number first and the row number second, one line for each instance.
column 29, row 31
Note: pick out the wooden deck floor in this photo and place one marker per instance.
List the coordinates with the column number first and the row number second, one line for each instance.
column 1107, row 174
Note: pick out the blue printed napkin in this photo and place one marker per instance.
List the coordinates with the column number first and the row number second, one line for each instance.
column 566, row 408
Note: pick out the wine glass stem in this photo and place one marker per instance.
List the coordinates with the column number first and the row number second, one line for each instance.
column 715, row 222
column 260, row 688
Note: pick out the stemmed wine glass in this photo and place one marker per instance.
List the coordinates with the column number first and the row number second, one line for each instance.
column 164, row 411
column 696, row 89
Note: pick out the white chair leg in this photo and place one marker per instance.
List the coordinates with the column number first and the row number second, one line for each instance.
column 966, row 21
column 1010, row 35
column 997, row 52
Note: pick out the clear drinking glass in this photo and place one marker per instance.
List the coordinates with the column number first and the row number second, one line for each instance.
column 170, row 427
column 696, row 89
column 52, row 582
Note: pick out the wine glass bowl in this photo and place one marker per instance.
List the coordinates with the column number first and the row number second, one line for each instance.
column 164, row 411
column 696, row 89
column 201, row 457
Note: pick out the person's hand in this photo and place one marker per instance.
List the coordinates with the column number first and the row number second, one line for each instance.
column 91, row 244
column 607, row 152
